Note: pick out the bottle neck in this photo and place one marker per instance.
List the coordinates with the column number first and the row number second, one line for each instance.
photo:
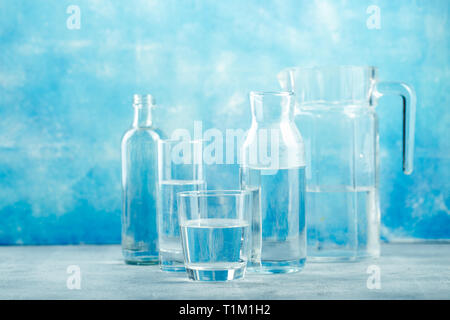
column 142, row 117
column 143, row 105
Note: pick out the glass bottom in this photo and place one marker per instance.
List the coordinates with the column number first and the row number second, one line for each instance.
column 216, row 272
column 171, row 262
column 367, row 258
column 368, row 255
column 332, row 254
column 172, row 266
column 325, row 259
column 139, row 257
column 273, row 267
column 341, row 257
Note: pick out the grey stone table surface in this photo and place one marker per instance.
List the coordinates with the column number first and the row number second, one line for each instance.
column 407, row 271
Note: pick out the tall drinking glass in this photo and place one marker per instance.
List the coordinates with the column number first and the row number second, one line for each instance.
column 180, row 168
column 215, row 233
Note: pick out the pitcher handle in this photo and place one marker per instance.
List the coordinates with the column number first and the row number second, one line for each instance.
column 408, row 96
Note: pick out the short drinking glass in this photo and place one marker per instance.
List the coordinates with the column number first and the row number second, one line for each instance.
column 215, row 233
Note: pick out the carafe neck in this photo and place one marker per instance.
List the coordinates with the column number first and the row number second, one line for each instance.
column 269, row 108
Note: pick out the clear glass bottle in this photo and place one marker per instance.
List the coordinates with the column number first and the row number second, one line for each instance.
column 273, row 162
column 139, row 186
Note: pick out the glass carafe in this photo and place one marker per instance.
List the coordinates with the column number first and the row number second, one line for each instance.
column 335, row 110
column 273, row 169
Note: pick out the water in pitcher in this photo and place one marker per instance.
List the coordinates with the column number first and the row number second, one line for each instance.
column 171, row 254
column 215, row 246
column 344, row 223
column 283, row 218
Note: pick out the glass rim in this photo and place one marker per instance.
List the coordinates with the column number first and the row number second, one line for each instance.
column 272, row 93
column 213, row 193
column 334, row 67
column 170, row 140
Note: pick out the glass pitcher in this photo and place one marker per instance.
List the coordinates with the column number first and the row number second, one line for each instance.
column 335, row 113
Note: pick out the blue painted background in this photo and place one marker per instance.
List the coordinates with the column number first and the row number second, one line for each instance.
column 65, row 97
